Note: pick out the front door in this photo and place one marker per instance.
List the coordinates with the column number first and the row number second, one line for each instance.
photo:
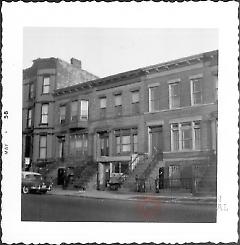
column 156, row 141
column 104, row 144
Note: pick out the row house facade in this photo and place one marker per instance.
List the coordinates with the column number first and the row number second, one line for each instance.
column 38, row 125
column 165, row 113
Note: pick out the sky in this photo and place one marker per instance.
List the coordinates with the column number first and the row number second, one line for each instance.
column 108, row 51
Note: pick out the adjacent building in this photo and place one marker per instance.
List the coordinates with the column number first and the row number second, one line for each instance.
column 38, row 121
column 152, row 120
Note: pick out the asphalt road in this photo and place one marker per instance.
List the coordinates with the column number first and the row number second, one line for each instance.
column 37, row 207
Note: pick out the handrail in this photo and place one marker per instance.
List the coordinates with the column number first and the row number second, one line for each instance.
column 152, row 163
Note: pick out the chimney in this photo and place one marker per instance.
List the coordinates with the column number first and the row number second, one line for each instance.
column 77, row 63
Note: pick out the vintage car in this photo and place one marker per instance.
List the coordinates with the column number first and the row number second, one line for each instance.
column 34, row 182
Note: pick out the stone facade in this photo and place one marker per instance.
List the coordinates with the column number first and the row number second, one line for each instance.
column 168, row 108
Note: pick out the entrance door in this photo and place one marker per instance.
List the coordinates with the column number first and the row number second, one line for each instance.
column 104, row 144
column 156, row 141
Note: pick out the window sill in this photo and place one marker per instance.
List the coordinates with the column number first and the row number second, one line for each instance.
column 43, row 124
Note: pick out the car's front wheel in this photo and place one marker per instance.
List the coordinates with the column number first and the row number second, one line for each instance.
column 25, row 190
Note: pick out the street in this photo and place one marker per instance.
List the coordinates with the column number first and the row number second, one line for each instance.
column 70, row 208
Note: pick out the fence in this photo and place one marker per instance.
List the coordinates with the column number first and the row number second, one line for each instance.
column 193, row 185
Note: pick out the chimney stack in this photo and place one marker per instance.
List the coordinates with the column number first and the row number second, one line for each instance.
column 77, row 63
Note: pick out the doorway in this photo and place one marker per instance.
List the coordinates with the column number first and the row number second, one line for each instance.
column 156, row 141
column 104, row 143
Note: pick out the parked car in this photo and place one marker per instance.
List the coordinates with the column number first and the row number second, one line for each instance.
column 34, row 182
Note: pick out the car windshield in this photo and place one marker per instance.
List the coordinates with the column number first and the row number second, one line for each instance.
column 34, row 177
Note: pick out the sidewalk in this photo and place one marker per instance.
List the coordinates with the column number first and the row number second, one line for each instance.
column 169, row 197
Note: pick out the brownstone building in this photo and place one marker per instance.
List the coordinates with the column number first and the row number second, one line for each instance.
column 39, row 83
column 156, row 120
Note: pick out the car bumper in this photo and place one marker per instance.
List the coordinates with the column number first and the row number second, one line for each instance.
column 40, row 188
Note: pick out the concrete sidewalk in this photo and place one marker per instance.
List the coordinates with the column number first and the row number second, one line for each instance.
column 170, row 197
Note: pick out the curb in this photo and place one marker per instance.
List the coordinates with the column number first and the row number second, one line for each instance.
column 180, row 200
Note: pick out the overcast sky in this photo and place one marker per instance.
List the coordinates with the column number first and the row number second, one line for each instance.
column 106, row 51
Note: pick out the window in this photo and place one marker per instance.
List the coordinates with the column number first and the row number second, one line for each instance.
column 29, row 118
column 175, row 137
column 197, row 134
column 126, row 141
column 46, row 85
column 78, row 145
column 154, row 99
column 119, row 167
column 31, row 91
column 103, row 106
column 118, row 100
column 185, row 136
column 118, row 144
column 135, row 143
column 103, row 103
column 62, row 114
column 104, row 143
column 174, row 98
column 186, row 131
column 118, row 104
column 135, row 102
column 196, row 91
column 83, row 110
column 61, row 141
column 44, row 114
column 74, row 106
column 43, row 147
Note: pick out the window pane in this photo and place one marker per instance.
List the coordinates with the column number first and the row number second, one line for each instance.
column 45, row 109
column 135, row 97
column 197, row 98
column 46, row 85
column 84, row 109
column 126, row 148
column 103, row 102
column 175, row 139
column 78, row 143
column 118, row 139
column 174, row 95
column 125, row 139
column 196, row 91
column 186, row 138
column 44, row 119
column 135, row 143
column 43, row 152
column 197, row 138
column 196, row 85
column 43, row 141
column 118, row 100
column 62, row 111
column 154, row 99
